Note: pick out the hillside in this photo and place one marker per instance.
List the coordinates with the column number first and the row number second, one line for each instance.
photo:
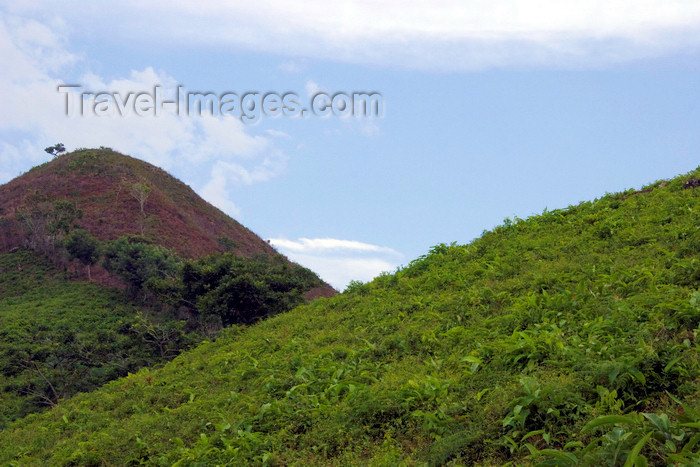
column 59, row 336
column 569, row 338
column 99, row 182
column 104, row 185
column 68, row 327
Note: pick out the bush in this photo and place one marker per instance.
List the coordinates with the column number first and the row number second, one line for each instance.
column 137, row 261
column 238, row 290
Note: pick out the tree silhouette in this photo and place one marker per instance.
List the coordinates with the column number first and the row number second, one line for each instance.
column 56, row 150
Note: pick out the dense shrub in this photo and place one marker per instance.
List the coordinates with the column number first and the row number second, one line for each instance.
column 237, row 290
column 137, row 261
column 83, row 247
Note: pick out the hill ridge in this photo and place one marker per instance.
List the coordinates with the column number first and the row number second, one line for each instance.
column 98, row 182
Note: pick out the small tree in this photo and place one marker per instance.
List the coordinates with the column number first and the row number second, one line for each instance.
column 166, row 334
column 62, row 217
column 140, row 192
column 83, row 247
column 47, row 224
column 56, row 150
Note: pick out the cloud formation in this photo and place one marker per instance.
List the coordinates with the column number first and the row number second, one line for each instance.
column 224, row 174
column 305, row 245
column 220, row 146
column 438, row 34
column 340, row 261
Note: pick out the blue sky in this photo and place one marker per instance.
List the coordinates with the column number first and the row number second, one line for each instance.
column 491, row 109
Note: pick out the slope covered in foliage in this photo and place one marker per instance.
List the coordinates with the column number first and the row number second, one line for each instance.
column 568, row 338
column 59, row 337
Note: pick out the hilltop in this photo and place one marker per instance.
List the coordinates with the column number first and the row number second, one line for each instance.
column 99, row 182
column 569, row 338
column 107, row 188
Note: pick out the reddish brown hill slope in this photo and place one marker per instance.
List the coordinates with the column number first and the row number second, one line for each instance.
column 99, row 183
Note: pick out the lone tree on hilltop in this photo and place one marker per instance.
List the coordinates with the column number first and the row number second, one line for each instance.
column 56, row 150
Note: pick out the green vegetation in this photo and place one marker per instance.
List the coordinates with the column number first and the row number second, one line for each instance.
column 221, row 289
column 227, row 244
column 47, row 223
column 59, row 337
column 236, row 290
column 83, row 247
column 137, row 261
column 569, row 338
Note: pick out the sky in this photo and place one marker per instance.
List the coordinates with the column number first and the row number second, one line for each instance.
column 490, row 109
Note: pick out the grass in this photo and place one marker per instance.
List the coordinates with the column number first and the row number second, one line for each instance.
column 569, row 338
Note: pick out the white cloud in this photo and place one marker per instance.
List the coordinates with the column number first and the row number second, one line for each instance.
column 224, row 174
column 33, row 47
column 216, row 192
column 292, row 66
column 34, row 52
column 277, row 133
column 339, row 261
column 324, row 244
column 439, row 34
column 339, row 272
column 312, row 88
column 20, row 154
